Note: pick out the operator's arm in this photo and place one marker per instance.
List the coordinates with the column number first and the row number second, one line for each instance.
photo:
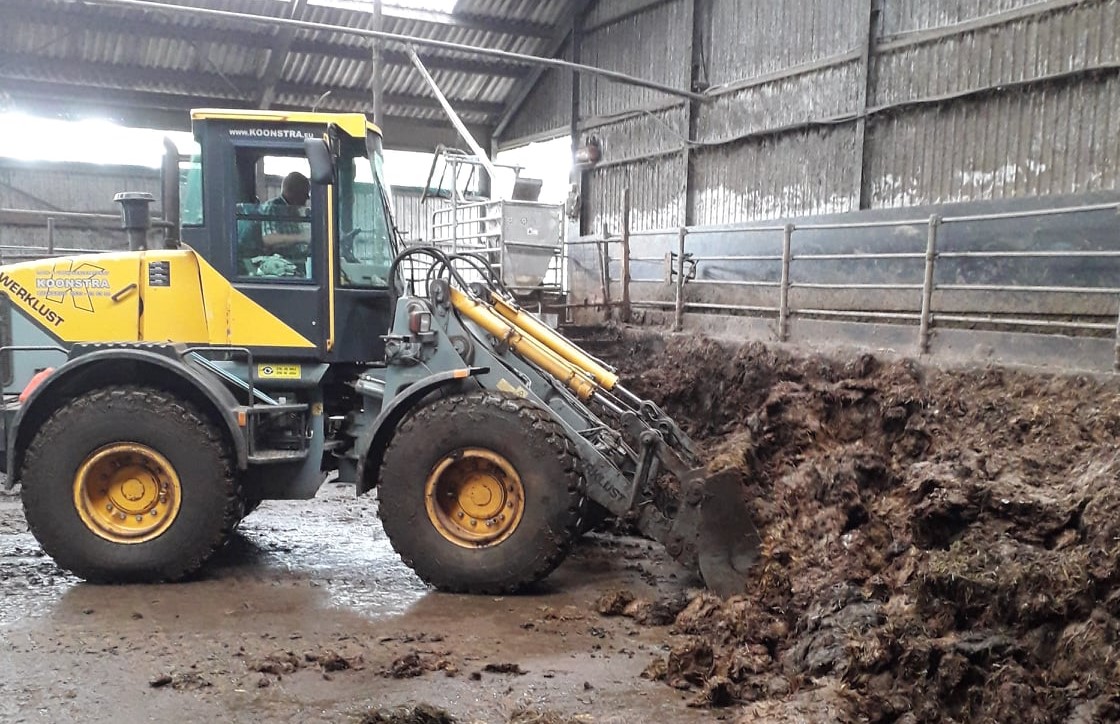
column 293, row 227
column 274, row 239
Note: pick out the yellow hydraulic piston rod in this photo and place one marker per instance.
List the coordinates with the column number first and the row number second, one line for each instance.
column 483, row 315
column 555, row 342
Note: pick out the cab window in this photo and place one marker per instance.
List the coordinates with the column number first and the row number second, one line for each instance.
column 364, row 247
column 273, row 217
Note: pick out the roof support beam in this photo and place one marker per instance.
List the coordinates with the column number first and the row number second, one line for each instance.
column 278, row 54
column 42, row 73
column 464, row 21
column 577, row 12
column 143, row 26
column 171, row 112
column 409, row 41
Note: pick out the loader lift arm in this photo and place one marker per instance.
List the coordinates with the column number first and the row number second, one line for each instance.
column 627, row 444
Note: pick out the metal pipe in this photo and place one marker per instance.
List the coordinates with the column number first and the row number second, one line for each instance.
column 593, row 241
column 1116, row 352
column 927, row 284
column 376, row 82
column 701, row 230
column 605, row 276
column 737, row 283
column 823, row 285
column 678, row 314
column 1032, row 213
column 1055, row 324
column 700, row 305
column 34, row 217
column 759, row 257
column 1008, row 288
column 407, row 40
column 50, row 234
column 854, row 314
column 860, row 257
column 456, row 121
column 1055, row 254
column 169, row 193
column 858, row 225
column 624, row 314
column 783, row 299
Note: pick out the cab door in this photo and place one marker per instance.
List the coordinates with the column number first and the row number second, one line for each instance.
column 277, row 250
column 361, row 253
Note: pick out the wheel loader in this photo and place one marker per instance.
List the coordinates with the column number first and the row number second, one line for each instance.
column 155, row 396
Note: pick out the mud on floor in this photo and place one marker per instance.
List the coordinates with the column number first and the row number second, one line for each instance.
column 938, row 545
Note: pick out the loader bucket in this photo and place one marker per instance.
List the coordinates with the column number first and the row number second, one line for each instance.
column 728, row 542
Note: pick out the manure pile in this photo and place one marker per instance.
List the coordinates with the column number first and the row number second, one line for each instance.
column 938, row 545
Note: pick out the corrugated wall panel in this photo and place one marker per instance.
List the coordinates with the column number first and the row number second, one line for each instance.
column 750, row 39
column 1065, row 40
column 605, row 11
column 645, row 134
column 655, row 45
column 902, row 16
column 1051, row 140
column 72, row 187
column 796, row 174
column 409, row 214
column 547, row 108
column 825, row 93
column 656, row 194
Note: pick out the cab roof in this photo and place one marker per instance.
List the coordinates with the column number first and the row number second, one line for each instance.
column 354, row 124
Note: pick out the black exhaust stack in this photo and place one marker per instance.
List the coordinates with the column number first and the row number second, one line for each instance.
column 169, row 182
column 136, row 219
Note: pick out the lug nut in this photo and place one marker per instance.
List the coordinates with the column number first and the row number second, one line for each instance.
column 139, row 519
column 474, row 522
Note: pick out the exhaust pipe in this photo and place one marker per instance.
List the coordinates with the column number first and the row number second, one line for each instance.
column 169, row 190
column 136, row 219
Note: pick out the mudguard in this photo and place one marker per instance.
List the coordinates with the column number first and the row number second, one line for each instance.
column 66, row 381
column 371, row 443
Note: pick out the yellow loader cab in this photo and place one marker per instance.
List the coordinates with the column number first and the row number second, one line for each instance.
column 153, row 398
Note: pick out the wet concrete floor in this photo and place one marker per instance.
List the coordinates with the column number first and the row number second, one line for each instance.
column 252, row 639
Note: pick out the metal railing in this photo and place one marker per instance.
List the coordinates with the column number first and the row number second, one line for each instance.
column 54, row 222
column 680, row 265
column 474, row 228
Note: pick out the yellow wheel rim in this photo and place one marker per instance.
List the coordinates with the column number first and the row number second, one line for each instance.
column 127, row 493
column 474, row 498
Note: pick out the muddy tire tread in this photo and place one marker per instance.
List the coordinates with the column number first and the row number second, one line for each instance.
column 533, row 417
column 139, row 397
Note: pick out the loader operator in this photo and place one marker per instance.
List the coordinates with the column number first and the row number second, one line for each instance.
column 282, row 249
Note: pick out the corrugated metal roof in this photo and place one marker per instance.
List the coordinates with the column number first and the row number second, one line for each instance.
column 65, row 56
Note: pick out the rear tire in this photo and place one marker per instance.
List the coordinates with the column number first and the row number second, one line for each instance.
column 133, row 449
column 481, row 493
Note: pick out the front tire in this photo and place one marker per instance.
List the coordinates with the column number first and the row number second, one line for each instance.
column 481, row 493
column 129, row 484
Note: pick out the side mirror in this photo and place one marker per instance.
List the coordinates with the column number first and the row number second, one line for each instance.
column 321, row 160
